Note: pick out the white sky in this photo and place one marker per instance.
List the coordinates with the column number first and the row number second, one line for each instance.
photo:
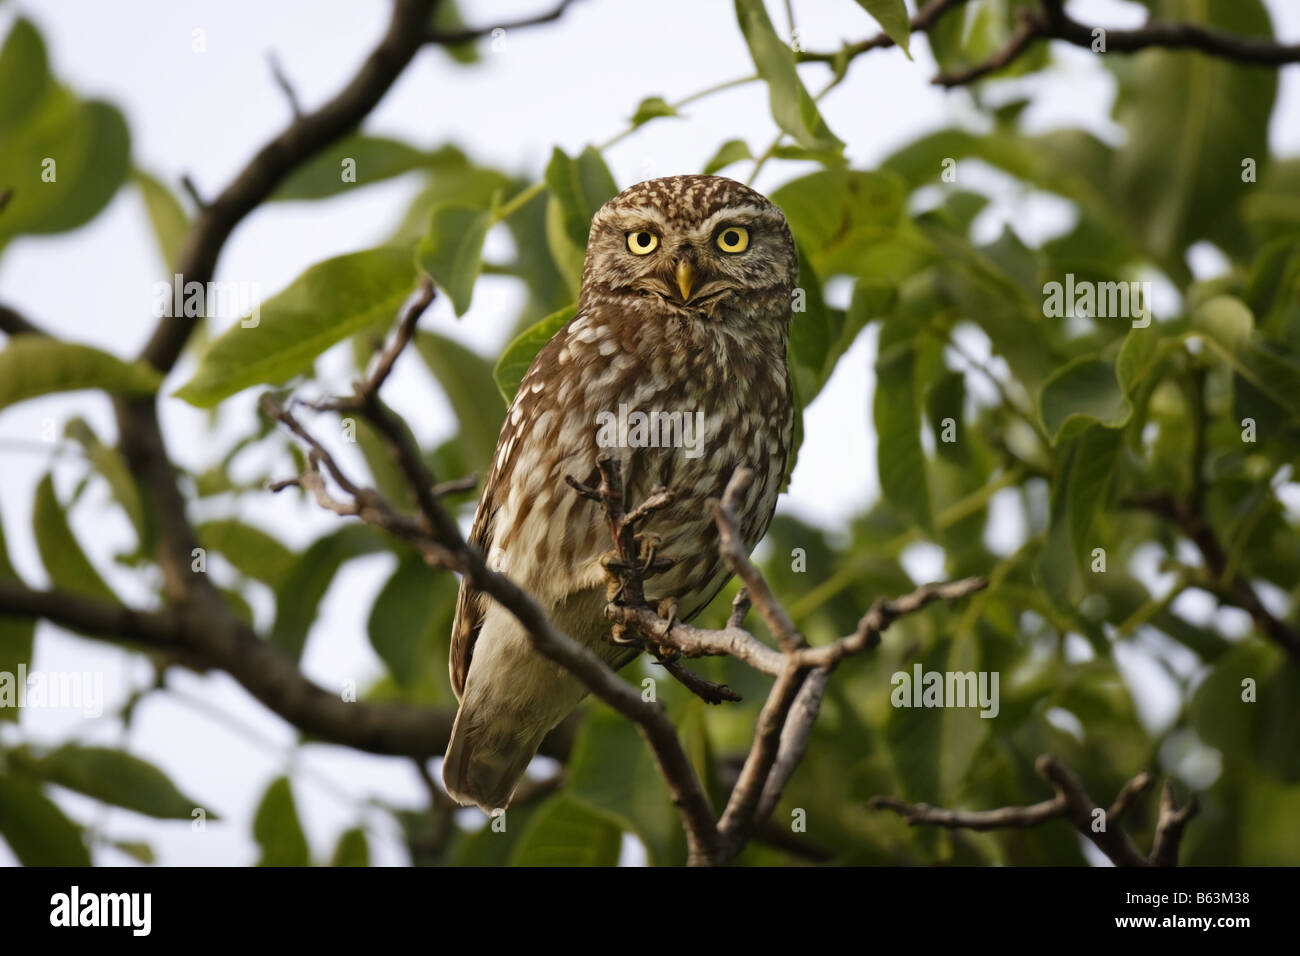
column 566, row 84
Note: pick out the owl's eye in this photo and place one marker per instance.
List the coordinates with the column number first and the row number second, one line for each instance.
column 733, row 239
column 642, row 243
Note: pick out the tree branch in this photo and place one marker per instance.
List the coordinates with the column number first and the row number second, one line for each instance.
column 1251, row 51
column 13, row 323
column 925, row 18
column 779, row 744
column 1071, row 803
column 633, row 560
column 441, row 536
column 262, row 669
column 1051, row 22
column 1028, row 29
column 1236, row 590
column 470, row 34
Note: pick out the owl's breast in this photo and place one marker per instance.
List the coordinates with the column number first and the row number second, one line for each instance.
column 681, row 418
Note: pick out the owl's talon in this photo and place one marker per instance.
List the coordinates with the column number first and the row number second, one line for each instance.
column 610, row 561
column 667, row 611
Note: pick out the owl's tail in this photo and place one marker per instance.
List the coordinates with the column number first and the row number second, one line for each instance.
column 483, row 767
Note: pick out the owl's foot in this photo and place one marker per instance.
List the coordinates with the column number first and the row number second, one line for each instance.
column 667, row 611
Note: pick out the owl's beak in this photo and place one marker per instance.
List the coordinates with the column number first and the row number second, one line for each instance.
column 685, row 278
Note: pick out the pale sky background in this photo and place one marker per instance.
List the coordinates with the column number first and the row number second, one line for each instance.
column 565, row 84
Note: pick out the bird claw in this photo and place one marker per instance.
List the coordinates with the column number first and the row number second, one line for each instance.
column 667, row 611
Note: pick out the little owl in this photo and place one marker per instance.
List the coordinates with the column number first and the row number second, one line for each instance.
column 683, row 317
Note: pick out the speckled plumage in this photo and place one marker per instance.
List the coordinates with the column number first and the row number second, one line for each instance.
column 636, row 341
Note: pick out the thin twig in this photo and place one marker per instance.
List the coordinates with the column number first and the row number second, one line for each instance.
column 1071, row 803
column 12, row 323
column 192, row 190
column 470, row 34
column 1051, row 22
column 925, row 18
column 286, row 87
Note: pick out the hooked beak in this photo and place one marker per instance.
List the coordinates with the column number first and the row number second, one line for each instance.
column 685, row 278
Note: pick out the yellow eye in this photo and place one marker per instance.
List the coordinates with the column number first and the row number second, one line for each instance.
column 642, row 243
column 733, row 239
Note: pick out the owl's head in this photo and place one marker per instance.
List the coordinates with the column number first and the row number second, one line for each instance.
column 691, row 247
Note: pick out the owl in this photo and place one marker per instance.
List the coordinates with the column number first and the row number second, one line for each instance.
column 675, row 365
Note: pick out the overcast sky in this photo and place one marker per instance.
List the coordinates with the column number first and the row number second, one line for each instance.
column 566, row 84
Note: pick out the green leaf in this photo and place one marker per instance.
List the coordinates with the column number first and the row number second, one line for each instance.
column 849, row 223
column 732, row 151
column 324, row 305
column 485, row 846
column 915, row 734
column 582, row 186
column 16, row 633
column 897, row 412
column 893, row 19
column 38, row 832
column 962, row 730
column 946, row 399
column 353, row 849
column 24, row 75
column 33, row 365
column 168, row 217
column 385, row 474
column 1227, row 325
column 1082, row 391
column 650, row 108
column 519, row 354
column 820, row 335
column 564, row 833
column 613, row 772
column 138, row 851
column 114, row 777
column 252, row 551
column 112, row 467
column 362, row 159
column 307, row 580
column 1091, row 466
column 452, row 251
column 1069, row 163
column 66, row 564
column 1190, row 120
column 796, row 433
column 1272, row 207
column 792, row 107
column 452, row 177
column 277, row 830
column 1140, row 357
column 447, row 19
column 467, row 381
column 579, row 187
column 974, row 34
column 406, row 617
column 63, row 158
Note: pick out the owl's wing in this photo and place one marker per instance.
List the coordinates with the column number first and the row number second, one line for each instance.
column 472, row 604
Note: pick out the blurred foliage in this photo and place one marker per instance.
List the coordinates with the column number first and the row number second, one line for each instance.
column 984, row 394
